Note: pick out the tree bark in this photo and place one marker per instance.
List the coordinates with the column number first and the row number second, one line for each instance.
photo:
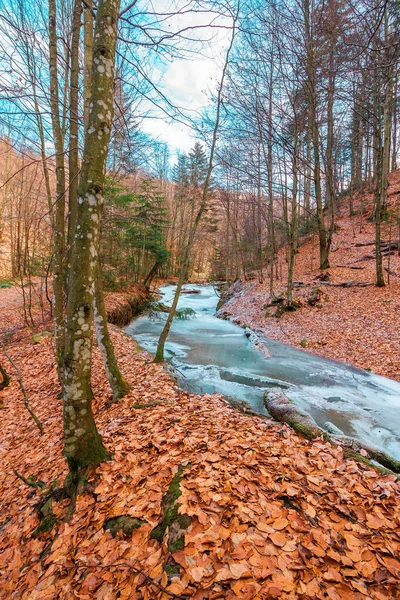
column 293, row 220
column 120, row 387
column 83, row 445
column 59, row 230
column 88, row 55
column 73, row 159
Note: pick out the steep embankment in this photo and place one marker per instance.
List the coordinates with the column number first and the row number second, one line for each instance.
column 357, row 324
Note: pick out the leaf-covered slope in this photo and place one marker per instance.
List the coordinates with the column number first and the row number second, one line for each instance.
column 271, row 515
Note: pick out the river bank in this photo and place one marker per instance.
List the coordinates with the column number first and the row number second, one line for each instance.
column 265, row 513
column 355, row 325
column 214, row 355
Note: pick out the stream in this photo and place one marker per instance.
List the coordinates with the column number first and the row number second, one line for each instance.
column 214, row 355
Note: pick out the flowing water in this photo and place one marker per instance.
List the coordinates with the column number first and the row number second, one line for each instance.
column 215, row 356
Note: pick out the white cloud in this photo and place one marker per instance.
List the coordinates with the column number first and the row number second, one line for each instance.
column 188, row 83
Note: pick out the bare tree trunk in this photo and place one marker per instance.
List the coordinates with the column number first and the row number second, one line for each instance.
column 308, row 175
column 83, row 446
column 74, row 124
column 378, row 163
column 394, row 116
column 387, row 120
column 311, row 70
column 59, row 230
column 120, row 387
column 88, row 55
column 293, row 221
column 330, row 166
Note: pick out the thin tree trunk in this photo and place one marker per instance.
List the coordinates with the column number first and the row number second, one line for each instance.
column 74, row 124
column 311, row 68
column 387, row 122
column 59, row 231
column 394, row 116
column 88, row 55
column 120, row 387
column 378, row 163
column 293, row 221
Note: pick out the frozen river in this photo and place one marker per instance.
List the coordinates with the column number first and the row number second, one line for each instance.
column 215, row 356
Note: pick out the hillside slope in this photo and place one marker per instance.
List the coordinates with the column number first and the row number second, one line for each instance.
column 267, row 514
column 357, row 325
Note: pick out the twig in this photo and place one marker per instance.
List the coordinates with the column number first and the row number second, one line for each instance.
column 30, row 482
column 23, row 390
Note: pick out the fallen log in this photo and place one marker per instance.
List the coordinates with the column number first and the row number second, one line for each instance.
column 191, row 291
column 392, row 273
column 256, row 342
column 281, row 408
column 349, row 267
column 348, row 284
column 393, row 243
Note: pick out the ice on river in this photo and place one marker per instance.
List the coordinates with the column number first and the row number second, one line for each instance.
column 215, row 356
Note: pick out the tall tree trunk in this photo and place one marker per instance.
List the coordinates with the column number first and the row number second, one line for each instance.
column 59, row 226
column 378, row 165
column 330, row 166
column 293, row 221
column 387, row 118
column 394, row 117
column 73, row 158
column 311, row 72
column 88, row 55
column 83, row 446
column 308, row 175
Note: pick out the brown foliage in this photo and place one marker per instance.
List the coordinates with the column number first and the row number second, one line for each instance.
column 272, row 515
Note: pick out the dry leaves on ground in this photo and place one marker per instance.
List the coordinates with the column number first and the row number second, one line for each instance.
column 272, row 515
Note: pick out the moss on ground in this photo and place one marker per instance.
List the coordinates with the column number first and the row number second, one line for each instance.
column 123, row 523
column 175, row 522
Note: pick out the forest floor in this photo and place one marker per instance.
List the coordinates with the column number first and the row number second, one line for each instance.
column 269, row 515
column 357, row 325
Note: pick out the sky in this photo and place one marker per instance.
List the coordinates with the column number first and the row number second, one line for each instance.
column 189, row 83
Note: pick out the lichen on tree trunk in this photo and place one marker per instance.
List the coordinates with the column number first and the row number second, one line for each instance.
column 83, row 446
column 281, row 408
